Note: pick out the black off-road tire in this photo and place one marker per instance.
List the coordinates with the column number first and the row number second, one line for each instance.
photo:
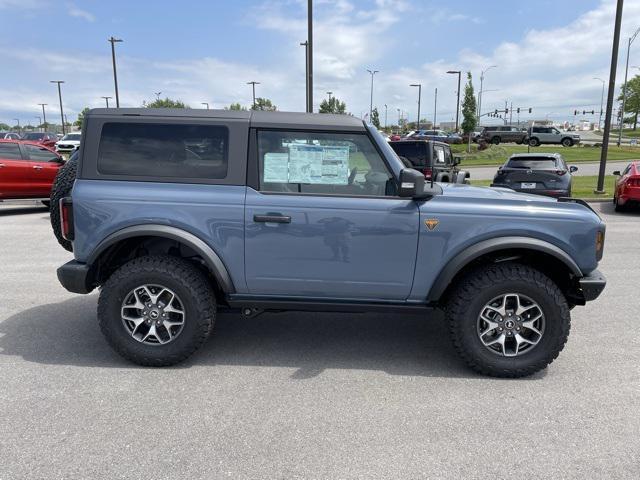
column 534, row 142
column 61, row 188
column 180, row 276
column 485, row 283
column 495, row 140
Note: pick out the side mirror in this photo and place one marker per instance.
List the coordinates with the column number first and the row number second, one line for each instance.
column 616, row 172
column 412, row 185
column 457, row 159
column 57, row 160
column 573, row 168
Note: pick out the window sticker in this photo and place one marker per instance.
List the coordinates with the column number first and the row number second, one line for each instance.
column 276, row 168
column 316, row 164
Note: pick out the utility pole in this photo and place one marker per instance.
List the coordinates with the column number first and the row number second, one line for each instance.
column 310, row 53
column 481, row 90
column 306, row 76
column 205, row 103
column 253, row 87
column 60, row 99
column 459, row 72
column 601, row 102
column 329, row 94
column 612, row 87
column 435, row 110
column 113, row 42
column 511, row 114
column 106, row 99
column 385, row 115
column 39, row 121
column 44, row 115
column 372, row 72
column 419, row 85
column 624, row 86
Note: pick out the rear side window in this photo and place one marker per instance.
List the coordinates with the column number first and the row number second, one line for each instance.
column 10, row 151
column 535, row 163
column 416, row 153
column 160, row 150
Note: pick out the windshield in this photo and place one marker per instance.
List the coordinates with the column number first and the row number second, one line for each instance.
column 33, row 136
column 533, row 163
column 72, row 136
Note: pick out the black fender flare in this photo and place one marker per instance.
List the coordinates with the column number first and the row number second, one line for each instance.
column 462, row 259
column 210, row 257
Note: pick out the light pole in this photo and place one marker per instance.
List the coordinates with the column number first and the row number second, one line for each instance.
column 60, row 99
column 44, row 115
column 459, row 72
column 157, row 94
column 253, row 87
column 624, row 85
column 17, row 120
column 205, row 103
column 419, row 85
column 113, row 42
column 435, row 109
column 372, row 72
column 329, row 93
column 106, row 100
column 39, row 121
column 385, row 115
column 310, row 53
column 306, row 75
column 481, row 89
column 601, row 102
column 612, row 87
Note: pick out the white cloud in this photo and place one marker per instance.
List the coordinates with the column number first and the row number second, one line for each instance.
column 74, row 11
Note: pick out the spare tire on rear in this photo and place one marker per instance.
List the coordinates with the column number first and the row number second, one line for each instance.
column 61, row 188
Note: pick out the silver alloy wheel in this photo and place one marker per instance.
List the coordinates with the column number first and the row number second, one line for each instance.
column 510, row 325
column 153, row 314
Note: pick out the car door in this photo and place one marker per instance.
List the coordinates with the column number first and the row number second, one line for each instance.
column 14, row 171
column 322, row 219
column 44, row 165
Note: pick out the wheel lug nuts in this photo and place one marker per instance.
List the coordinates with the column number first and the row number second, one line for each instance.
column 500, row 329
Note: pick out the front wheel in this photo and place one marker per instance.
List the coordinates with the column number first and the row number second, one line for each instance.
column 567, row 142
column 534, row 142
column 156, row 310
column 508, row 320
column 495, row 140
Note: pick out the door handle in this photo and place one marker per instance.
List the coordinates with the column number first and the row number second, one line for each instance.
column 37, row 167
column 272, row 218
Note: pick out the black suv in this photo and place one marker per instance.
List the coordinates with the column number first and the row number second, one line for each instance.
column 432, row 158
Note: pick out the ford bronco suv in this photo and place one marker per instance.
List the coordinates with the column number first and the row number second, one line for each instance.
column 175, row 213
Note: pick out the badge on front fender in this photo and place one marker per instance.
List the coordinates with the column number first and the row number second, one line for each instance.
column 431, row 223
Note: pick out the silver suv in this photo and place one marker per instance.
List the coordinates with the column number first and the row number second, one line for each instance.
column 503, row 134
column 551, row 135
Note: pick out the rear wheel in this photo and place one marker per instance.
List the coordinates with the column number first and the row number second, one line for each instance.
column 618, row 207
column 61, row 188
column 534, row 142
column 567, row 142
column 156, row 310
column 508, row 320
column 495, row 140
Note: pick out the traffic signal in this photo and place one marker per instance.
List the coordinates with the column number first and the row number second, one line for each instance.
column 575, row 112
column 496, row 112
column 529, row 109
column 518, row 110
column 506, row 110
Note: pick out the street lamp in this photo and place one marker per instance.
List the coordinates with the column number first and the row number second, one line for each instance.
column 601, row 101
column 435, row 109
column 113, row 42
column 106, row 99
column 306, row 75
column 253, row 86
column 372, row 72
column 481, row 87
column 385, row 115
column 453, row 72
column 624, row 85
column 39, row 121
column 157, row 94
column 60, row 99
column 419, row 85
column 329, row 93
column 18, row 123
column 44, row 115
column 205, row 103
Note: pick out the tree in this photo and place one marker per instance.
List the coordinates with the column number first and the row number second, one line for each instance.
column 375, row 118
column 333, row 105
column 469, row 107
column 632, row 103
column 264, row 104
column 81, row 115
column 235, row 106
column 165, row 103
column 4, row 126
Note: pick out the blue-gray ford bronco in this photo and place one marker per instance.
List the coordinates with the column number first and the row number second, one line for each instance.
column 174, row 214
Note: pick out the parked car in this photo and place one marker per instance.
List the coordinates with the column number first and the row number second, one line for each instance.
column 42, row 138
column 551, row 135
column 541, row 174
column 9, row 136
column 68, row 143
column 627, row 189
column 433, row 159
column 27, row 170
column 249, row 223
column 475, row 136
column 503, row 134
column 436, row 135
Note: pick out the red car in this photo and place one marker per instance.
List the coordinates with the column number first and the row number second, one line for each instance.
column 27, row 170
column 627, row 191
column 42, row 138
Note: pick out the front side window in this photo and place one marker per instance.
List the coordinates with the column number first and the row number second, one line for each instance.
column 10, row 151
column 39, row 154
column 161, row 150
column 322, row 163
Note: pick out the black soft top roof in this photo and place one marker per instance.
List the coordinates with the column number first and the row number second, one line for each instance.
column 256, row 118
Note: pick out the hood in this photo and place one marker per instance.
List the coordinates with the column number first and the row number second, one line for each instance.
column 486, row 193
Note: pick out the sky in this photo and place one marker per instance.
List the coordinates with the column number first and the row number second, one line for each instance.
column 546, row 52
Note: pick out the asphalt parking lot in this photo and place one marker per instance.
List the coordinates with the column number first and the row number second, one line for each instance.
column 307, row 395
